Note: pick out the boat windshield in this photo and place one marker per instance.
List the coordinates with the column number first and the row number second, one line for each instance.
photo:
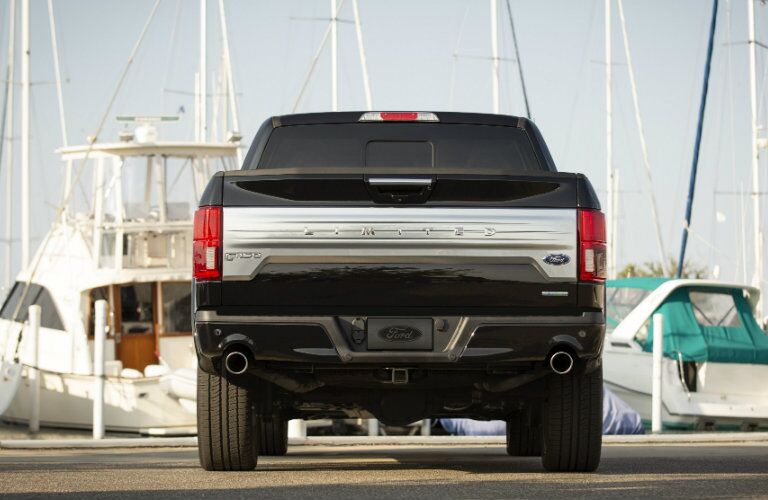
column 620, row 302
column 38, row 295
column 714, row 308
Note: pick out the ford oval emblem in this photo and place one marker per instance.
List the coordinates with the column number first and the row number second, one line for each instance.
column 400, row 334
column 557, row 259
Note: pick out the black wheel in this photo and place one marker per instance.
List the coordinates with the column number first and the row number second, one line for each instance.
column 225, row 425
column 273, row 437
column 573, row 422
column 524, row 434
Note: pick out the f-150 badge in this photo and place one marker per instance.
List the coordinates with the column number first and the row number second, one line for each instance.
column 557, row 259
column 230, row 256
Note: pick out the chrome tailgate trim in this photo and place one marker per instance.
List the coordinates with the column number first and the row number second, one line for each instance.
column 255, row 236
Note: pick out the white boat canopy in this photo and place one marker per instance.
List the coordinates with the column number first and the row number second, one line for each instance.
column 168, row 149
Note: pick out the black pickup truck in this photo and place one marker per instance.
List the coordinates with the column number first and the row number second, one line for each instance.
column 402, row 266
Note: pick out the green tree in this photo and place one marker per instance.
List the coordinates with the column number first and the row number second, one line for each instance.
column 654, row 268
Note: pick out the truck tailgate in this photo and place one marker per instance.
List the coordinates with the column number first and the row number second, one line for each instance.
column 410, row 256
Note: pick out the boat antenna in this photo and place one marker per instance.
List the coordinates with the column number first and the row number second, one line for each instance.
column 697, row 142
column 519, row 61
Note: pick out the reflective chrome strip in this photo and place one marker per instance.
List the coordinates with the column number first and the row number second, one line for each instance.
column 255, row 236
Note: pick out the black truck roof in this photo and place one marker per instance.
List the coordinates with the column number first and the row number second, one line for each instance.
column 444, row 117
column 449, row 117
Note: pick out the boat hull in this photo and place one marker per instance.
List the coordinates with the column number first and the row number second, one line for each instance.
column 131, row 405
column 729, row 396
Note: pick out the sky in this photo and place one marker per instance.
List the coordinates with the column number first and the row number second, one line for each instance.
column 434, row 55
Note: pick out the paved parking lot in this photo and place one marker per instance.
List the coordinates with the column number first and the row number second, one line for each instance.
column 355, row 472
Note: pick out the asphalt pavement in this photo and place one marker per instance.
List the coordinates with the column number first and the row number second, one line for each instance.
column 374, row 472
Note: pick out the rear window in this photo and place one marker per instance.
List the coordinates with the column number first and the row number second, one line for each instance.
column 397, row 145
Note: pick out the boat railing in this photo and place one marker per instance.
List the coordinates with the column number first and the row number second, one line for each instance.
column 139, row 244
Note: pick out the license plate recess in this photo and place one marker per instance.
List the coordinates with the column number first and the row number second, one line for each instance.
column 399, row 334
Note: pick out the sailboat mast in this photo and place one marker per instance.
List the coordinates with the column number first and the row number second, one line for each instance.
column 57, row 74
column 25, row 90
column 334, row 59
column 231, row 95
column 643, row 144
column 609, row 182
column 203, row 91
column 7, row 136
column 361, row 53
column 757, row 279
column 494, row 55
column 697, row 142
column 519, row 61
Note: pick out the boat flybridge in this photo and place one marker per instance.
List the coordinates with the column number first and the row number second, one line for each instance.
column 715, row 364
column 125, row 236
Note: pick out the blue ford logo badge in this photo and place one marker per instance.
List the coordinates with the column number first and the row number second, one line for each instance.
column 399, row 334
column 557, row 259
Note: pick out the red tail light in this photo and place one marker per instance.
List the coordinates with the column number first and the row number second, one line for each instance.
column 206, row 248
column 592, row 250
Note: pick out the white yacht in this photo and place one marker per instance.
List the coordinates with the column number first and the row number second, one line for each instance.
column 125, row 238
column 715, row 364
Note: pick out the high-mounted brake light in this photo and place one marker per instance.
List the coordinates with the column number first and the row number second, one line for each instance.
column 206, row 247
column 398, row 116
column 592, row 248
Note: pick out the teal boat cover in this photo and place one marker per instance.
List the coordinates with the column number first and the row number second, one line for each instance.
column 714, row 324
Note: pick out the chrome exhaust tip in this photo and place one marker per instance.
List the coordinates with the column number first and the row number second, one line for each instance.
column 561, row 362
column 236, row 362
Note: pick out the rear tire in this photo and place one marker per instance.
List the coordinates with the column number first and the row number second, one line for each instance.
column 273, row 437
column 524, row 434
column 225, row 425
column 573, row 422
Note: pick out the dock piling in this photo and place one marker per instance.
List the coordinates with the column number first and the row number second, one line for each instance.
column 99, row 338
column 658, row 357
column 34, row 372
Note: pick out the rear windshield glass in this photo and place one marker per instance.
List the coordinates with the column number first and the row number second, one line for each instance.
column 382, row 145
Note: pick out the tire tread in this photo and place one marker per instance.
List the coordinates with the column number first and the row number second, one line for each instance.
column 225, row 425
column 523, row 435
column 573, row 422
column 273, row 437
